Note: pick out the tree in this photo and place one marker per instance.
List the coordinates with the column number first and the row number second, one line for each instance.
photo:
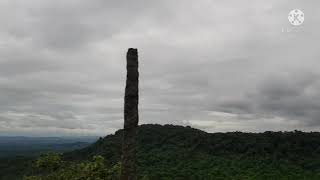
column 52, row 167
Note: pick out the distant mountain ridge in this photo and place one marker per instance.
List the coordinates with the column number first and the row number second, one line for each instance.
column 23, row 146
column 62, row 139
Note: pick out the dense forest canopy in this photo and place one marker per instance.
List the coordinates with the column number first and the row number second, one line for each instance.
column 176, row 152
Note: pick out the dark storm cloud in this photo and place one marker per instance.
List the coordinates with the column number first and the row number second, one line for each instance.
column 219, row 66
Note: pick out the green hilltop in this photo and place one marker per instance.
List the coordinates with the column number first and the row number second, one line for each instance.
column 177, row 152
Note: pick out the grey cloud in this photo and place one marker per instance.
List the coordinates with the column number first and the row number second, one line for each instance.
column 293, row 96
column 62, row 65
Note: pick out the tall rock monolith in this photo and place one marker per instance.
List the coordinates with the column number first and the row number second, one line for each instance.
column 131, row 118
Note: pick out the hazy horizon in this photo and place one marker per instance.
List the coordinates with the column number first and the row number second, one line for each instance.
column 72, row 136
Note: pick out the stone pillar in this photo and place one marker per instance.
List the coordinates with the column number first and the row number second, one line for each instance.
column 131, row 118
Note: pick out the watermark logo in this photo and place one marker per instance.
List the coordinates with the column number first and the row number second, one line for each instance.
column 296, row 17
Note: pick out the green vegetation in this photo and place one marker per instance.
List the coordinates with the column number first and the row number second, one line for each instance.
column 52, row 167
column 183, row 153
column 13, row 168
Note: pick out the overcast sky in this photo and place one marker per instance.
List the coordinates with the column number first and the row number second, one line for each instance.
column 214, row 65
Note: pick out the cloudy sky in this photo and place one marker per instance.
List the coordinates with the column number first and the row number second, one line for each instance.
column 215, row 65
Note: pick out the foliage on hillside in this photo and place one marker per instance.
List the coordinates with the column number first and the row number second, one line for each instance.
column 52, row 167
column 176, row 152
column 14, row 168
column 184, row 153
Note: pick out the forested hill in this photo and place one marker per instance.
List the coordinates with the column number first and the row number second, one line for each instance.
column 178, row 152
